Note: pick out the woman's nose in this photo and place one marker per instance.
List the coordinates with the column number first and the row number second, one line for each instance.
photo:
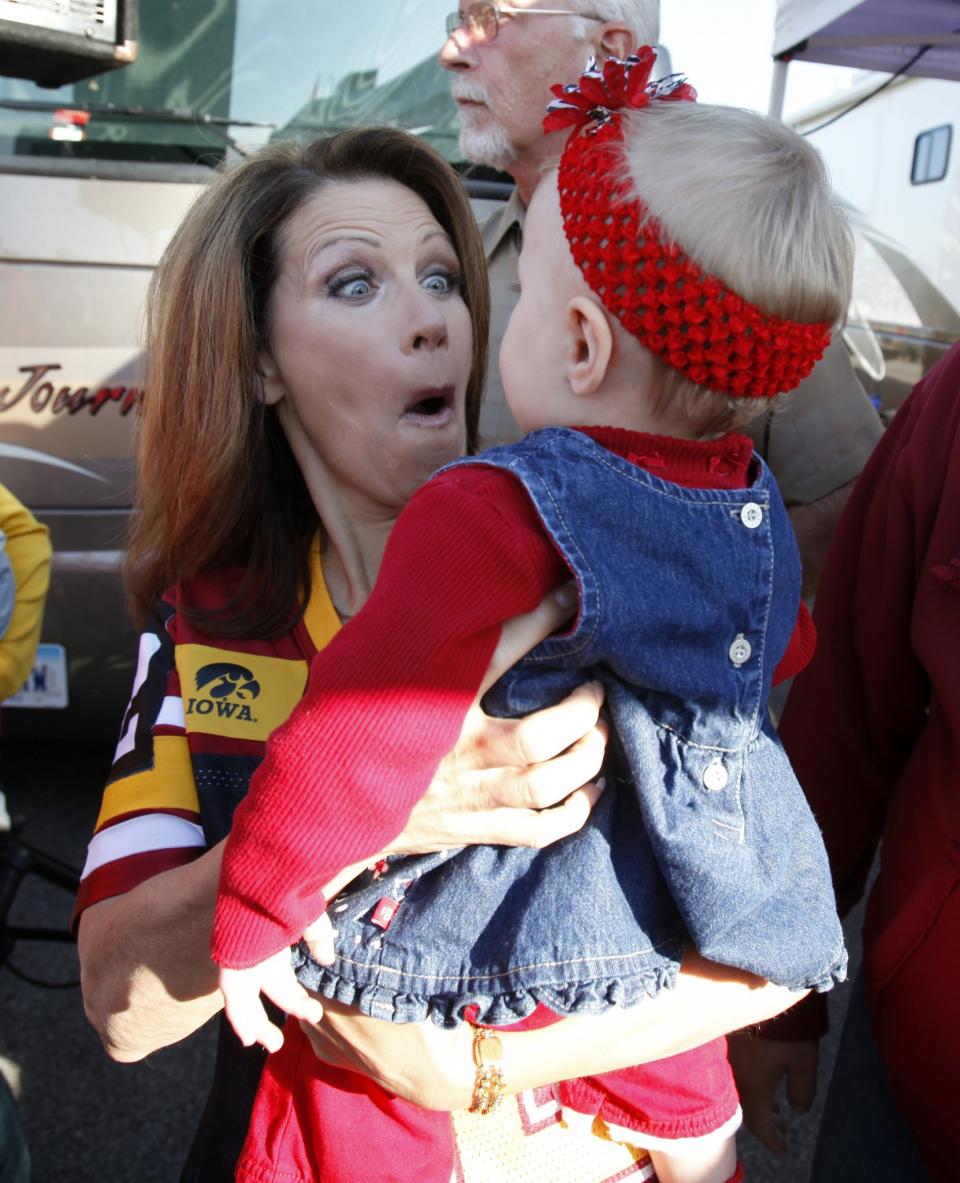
column 428, row 325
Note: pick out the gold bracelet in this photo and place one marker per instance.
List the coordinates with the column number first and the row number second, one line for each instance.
column 489, row 1085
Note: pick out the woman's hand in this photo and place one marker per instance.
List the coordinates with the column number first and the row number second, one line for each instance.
column 420, row 1062
column 516, row 782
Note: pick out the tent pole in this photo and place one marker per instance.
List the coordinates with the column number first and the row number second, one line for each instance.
column 778, row 88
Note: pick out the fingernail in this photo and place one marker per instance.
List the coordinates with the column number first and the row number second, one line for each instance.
column 566, row 594
column 601, row 783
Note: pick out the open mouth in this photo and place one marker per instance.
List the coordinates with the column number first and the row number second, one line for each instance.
column 433, row 404
column 428, row 406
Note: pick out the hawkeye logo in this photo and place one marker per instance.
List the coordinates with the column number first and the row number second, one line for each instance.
column 226, row 691
column 244, row 701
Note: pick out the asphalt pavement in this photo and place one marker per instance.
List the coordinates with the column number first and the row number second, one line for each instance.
column 87, row 1119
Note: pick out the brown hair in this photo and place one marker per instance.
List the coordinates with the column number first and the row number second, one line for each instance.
column 218, row 483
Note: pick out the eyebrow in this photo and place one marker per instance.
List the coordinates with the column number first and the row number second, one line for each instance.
column 438, row 233
column 364, row 238
column 375, row 244
column 369, row 240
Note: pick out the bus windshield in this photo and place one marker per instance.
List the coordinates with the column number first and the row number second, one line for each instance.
column 213, row 79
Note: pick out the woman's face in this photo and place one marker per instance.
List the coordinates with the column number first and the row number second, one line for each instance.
column 370, row 344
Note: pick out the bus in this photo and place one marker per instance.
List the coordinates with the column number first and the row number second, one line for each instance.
column 95, row 175
column 98, row 165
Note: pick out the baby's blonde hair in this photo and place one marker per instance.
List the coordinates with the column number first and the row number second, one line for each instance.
column 750, row 201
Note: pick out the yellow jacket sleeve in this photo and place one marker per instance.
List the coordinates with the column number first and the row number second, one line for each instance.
column 28, row 549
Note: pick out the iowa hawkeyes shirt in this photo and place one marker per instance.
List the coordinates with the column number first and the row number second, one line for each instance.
column 193, row 733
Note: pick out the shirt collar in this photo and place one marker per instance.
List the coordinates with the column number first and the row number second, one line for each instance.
column 723, row 463
column 497, row 227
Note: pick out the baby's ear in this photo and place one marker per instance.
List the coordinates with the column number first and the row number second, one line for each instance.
column 589, row 345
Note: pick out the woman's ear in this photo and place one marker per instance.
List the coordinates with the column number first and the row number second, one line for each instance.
column 589, row 345
column 270, row 380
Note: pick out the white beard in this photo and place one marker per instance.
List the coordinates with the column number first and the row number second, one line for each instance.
column 487, row 145
column 483, row 139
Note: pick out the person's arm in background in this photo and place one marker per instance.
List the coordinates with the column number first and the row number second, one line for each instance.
column 816, row 443
column 144, row 933
column 854, row 717
column 28, row 549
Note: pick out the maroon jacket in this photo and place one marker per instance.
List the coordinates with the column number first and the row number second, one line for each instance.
column 872, row 728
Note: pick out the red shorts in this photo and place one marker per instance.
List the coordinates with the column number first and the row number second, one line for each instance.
column 312, row 1121
column 688, row 1096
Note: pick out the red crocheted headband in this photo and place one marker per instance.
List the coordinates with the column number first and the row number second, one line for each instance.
column 691, row 320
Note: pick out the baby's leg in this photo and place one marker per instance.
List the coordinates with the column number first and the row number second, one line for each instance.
column 683, row 1111
column 715, row 1162
column 706, row 1160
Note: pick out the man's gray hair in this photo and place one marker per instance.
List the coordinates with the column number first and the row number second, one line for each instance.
column 642, row 17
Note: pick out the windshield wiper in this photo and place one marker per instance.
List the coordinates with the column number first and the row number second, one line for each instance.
column 216, row 123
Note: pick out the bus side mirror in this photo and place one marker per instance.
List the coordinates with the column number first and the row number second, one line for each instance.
column 54, row 47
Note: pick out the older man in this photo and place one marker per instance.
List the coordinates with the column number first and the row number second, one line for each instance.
column 503, row 60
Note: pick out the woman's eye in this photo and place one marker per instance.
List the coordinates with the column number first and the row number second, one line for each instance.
column 350, row 287
column 441, row 282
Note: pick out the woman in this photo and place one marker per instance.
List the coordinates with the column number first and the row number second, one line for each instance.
column 317, row 358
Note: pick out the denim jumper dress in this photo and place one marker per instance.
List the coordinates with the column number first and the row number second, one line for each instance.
column 688, row 598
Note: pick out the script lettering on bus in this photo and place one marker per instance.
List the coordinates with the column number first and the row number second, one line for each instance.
column 43, row 395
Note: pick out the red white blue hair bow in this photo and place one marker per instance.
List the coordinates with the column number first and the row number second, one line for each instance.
column 620, row 84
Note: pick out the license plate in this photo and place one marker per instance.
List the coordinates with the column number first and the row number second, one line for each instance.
column 46, row 684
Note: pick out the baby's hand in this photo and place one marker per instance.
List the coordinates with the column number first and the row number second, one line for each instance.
column 241, row 989
column 318, row 937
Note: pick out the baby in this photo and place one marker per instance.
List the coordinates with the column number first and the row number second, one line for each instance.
column 682, row 267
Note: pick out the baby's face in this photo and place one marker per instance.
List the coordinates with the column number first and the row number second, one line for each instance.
column 532, row 355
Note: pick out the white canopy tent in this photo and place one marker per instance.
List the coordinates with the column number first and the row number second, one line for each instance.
column 920, row 37
column 911, row 37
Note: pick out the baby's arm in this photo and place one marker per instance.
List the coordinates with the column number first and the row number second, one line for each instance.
column 800, row 648
column 386, row 701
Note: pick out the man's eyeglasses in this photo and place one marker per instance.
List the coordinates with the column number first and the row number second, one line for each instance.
column 482, row 20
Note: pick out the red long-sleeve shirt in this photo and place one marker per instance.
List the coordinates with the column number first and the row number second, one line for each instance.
column 387, row 697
